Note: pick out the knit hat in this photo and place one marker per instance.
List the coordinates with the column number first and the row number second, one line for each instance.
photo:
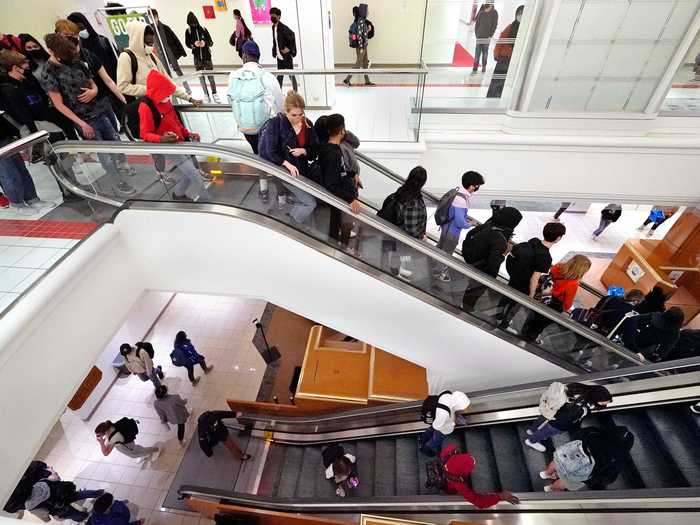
column 250, row 48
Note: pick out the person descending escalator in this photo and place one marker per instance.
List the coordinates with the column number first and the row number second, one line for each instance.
column 593, row 460
column 211, row 431
column 341, row 468
column 562, row 408
column 450, row 473
column 653, row 336
column 441, row 412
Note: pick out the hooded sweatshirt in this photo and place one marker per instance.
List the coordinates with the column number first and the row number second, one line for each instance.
column 485, row 246
column 97, row 44
column 652, row 335
column 117, row 514
column 195, row 32
column 158, row 88
column 462, row 465
column 445, row 421
column 146, row 62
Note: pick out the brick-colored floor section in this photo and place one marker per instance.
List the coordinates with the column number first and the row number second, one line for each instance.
column 48, row 229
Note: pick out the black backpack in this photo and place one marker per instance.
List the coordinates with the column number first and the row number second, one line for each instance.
column 128, row 428
column 148, row 347
column 36, row 471
column 132, row 120
column 442, row 212
column 437, row 476
column 430, row 406
column 521, row 260
column 314, row 173
column 61, row 495
column 390, row 211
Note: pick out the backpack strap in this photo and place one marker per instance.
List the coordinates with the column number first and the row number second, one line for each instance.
column 134, row 64
column 157, row 119
column 444, row 407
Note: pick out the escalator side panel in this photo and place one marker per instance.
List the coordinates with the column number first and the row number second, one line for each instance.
column 675, row 434
column 407, row 474
column 311, row 468
column 535, row 462
column 509, row 459
column 291, row 469
column 655, row 465
column 385, row 468
column 273, row 468
column 366, row 453
column 484, row 478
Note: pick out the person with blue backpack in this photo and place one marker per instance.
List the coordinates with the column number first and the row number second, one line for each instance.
column 452, row 216
column 657, row 216
column 254, row 94
column 185, row 354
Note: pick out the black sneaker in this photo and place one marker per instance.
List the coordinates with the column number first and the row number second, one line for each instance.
column 370, row 83
column 347, row 82
column 182, row 198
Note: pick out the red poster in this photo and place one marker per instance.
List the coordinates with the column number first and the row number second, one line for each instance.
column 209, row 11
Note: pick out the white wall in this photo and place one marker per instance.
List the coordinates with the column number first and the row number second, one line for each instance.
column 37, row 17
column 398, row 34
column 138, row 322
column 49, row 341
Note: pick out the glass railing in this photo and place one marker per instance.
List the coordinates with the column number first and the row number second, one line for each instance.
column 159, row 171
column 391, row 114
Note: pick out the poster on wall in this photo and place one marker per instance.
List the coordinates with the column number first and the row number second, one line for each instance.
column 117, row 26
column 260, row 9
column 209, row 12
column 220, row 5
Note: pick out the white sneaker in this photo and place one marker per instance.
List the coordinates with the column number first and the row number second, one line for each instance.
column 539, row 447
column 23, row 210
column 405, row 274
column 217, row 100
column 548, row 488
column 39, row 204
column 544, row 475
column 640, row 228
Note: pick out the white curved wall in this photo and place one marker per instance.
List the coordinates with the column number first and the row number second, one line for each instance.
column 51, row 339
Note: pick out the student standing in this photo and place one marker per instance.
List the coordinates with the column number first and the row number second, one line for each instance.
column 611, row 213
column 412, row 215
column 284, row 46
column 211, row 431
column 198, row 39
column 447, row 412
column 171, row 408
column 503, row 53
column 361, row 31
column 485, row 27
column 139, row 361
column 169, row 46
column 185, row 354
column 241, row 34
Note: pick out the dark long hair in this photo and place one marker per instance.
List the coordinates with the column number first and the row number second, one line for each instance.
column 591, row 395
column 411, row 189
column 515, row 25
column 246, row 29
column 180, row 338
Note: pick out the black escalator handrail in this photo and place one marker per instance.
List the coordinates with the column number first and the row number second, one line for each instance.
column 192, row 148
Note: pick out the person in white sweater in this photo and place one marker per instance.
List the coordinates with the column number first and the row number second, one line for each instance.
column 431, row 440
column 139, row 362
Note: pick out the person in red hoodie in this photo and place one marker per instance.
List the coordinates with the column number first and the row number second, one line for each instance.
column 458, row 467
column 565, row 280
column 170, row 130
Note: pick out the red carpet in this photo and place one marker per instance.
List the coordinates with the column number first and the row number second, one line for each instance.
column 462, row 57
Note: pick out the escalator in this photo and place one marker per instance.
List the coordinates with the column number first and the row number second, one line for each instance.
column 375, row 248
column 663, row 471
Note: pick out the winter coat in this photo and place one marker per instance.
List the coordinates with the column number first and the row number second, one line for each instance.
column 490, row 241
column 461, row 466
column 486, row 23
column 172, row 409
column 648, row 335
column 609, row 312
column 117, row 514
column 211, row 429
column 188, row 354
column 24, row 100
column 146, row 63
column 610, row 449
column 277, row 136
column 503, row 50
column 195, row 33
column 97, row 44
column 174, row 47
column 335, row 178
column 444, row 421
column 569, row 416
column 159, row 87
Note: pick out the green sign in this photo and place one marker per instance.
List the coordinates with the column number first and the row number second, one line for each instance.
column 117, row 25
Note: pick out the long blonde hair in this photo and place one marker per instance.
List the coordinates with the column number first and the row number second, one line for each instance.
column 294, row 100
column 575, row 268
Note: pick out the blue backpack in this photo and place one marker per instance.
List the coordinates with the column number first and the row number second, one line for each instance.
column 246, row 94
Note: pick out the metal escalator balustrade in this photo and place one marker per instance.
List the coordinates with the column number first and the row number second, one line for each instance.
column 376, row 244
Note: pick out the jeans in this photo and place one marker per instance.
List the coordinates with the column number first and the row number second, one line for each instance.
column 191, row 182
column 604, row 223
column 447, row 244
column 135, row 451
column 105, row 130
column 190, row 368
column 564, row 206
column 16, row 181
column 657, row 223
column 482, row 51
column 305, row 205
column 431, row 441
column 287, row 63
column 542, row 430
column 362, row 62
column 253, row 141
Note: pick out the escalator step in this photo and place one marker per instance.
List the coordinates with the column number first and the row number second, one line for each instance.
column 407, row 475
column 385, row 467
column 311, row 468
column 484, row 478
column 273, row 468
column 655, row 465
column 535, row 462
column 510, row 461
column 291, row 468
column 679, row 439
column 422, row 460
column 366, row 451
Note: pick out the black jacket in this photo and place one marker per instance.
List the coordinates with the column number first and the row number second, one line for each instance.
column 8, row 132
column 97, row 44
column 645, row 334
column 485, row 246
column 569, row 416
column 277, row 137
column 609, row 312
column 192, row 34
column 610, row 449
column 172, row 41
column 285, row 39
column 211, row 430
column 610, row 214
column 688, row 345
column 24, row 101
column 334, row 176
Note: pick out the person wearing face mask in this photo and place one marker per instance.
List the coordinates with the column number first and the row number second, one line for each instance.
column 35, row 52
column 502, row 54
column 73, row 92
column 104, row 82
column 25, row 100
column 197, row 38
column 97, row 44
column 284, row 46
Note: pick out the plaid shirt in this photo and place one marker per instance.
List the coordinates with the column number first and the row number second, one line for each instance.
column 414, row 217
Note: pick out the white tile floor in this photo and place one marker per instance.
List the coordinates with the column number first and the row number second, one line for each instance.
column 23, row 260
column 221, row 329
column 46, row 188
